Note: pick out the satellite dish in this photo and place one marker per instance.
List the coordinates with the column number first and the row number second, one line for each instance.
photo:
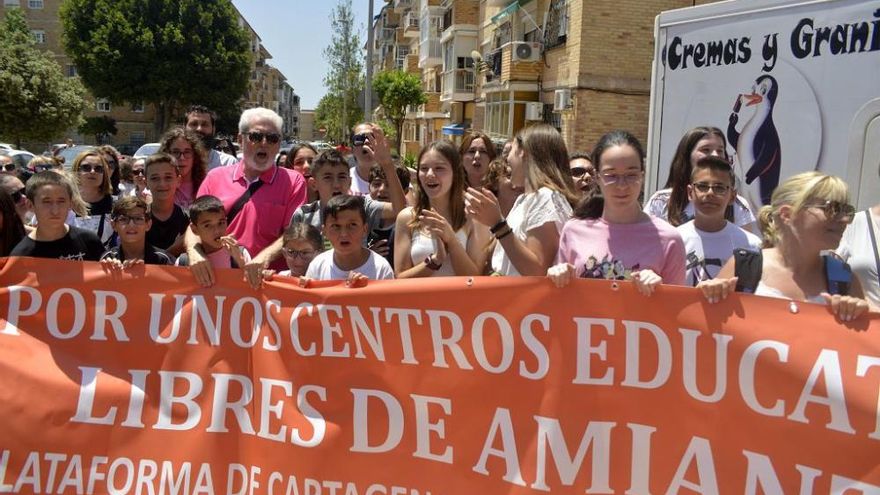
column 523, row 51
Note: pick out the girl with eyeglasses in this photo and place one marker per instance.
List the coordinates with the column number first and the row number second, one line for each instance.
column 671, row 203
column 302, row 242
column 610, row 236
column 807, row 215
column 92, row 176
column 192, row 163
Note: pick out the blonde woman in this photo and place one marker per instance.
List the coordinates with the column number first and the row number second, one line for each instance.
column 807, row 215
column 527, row 240
column 92, row 176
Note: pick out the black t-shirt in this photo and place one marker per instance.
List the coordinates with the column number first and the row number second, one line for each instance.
column 163, row 232
column 152, row 255
column 78, row 244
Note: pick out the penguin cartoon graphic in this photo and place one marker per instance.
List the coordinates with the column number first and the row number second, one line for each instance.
column 757, row 145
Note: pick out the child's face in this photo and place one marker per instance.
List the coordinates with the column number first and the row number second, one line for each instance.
column 331, row 180
column 132, row 225
column 298, row 253
column 379, row 190
column 345, row 231
column 51, row 205
column 163, row 181
column 710, row 202
column 210, row 227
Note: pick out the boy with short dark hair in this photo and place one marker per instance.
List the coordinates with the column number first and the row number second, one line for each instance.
column 709, row 238
column 208, row 221
column 130, row 217
column 169, row 222
column 51, row 194
column 345, row 226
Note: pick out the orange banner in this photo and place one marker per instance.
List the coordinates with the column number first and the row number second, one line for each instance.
column 146, row 383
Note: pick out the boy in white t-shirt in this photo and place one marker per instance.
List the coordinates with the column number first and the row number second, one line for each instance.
column 345, row 226
column 709, row 238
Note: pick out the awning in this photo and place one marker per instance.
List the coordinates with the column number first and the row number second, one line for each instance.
column 510, row 9
column 454, row 130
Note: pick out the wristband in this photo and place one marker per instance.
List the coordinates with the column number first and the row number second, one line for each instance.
column 431, row 264
column 504, row 234
column 498, row 226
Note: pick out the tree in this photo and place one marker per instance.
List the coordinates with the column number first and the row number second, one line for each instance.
column 328, row 114
column 344, row 77
column 170, row 53
column 37, row 103
column 100, row 127
column 397, row 90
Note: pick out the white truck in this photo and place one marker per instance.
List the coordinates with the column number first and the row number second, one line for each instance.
column 794, row 85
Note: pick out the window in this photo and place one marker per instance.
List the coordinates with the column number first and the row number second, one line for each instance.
column 102, row 105
column 137, row 107
column 70, row 70
column 39, row 36
column 503, row 35
column 557, row 24
column 35, row 4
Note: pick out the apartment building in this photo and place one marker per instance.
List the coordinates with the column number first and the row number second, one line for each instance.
column 583, row 66
column 134, row 120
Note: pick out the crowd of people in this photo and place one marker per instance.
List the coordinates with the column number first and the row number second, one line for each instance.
column 533, row 209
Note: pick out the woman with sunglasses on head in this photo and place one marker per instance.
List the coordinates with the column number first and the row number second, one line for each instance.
column 192, row 162
column 672, row 204
column 526, row 241
column 11, row 228
column 807, row 215
column 610, row 236
column 92, row 176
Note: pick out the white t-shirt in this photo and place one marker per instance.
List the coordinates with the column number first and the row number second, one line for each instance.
column 857, row 249
column 708, row 251
column 529, row 212
column 220, row 159
column 323, row 268
column 658, row 203
column 359, row 187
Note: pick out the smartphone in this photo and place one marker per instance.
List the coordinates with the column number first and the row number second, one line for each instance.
column 838, row 275
column 360, row 139
column 379, row 234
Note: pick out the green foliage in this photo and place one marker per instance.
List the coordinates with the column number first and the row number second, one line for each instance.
column 397, row 90
column 409, row 161
column 170, row 53
column 344, row 79
column 328, row 114
column 100, row 127
column 37, row 103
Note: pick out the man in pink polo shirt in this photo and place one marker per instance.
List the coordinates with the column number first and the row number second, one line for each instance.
column 259, row 196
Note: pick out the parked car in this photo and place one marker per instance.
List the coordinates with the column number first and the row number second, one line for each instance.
column 70, row 153
column 20, row 157
column 146, row 150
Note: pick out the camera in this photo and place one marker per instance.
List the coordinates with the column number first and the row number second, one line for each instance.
column 360, row 139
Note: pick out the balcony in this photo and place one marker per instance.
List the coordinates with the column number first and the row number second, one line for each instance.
column 411, row 25
column 431, row 109
column 430, row 53
column 458, row 85
column 401, row 6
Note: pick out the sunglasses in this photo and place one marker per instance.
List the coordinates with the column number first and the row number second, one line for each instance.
column 258, row 137
column 835, row 209
column 42, row 168
column 9, row 167
column 705, row 187
column 18, row 195
column 137, row 171
column 126, row 219
column 87, row 169
column 578, row 172
column 294, row 254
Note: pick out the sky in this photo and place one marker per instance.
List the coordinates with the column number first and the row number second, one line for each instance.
column 296, row 32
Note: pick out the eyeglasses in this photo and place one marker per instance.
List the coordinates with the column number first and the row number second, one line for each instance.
column 835, row 209
column 9, row 167
column 87, row 169
column 137, row 171
column 705, row 187
column 622, row 180
column 578, row 172
column 257, row 137
column 125, row 220
column 294, row 254
column 182, row 153
column 18, row 195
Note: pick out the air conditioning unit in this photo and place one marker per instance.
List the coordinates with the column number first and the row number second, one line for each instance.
column 534, row 110
column 526, row 51
column 562, row 99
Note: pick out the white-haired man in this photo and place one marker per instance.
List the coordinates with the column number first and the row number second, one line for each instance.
column 259, row 197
